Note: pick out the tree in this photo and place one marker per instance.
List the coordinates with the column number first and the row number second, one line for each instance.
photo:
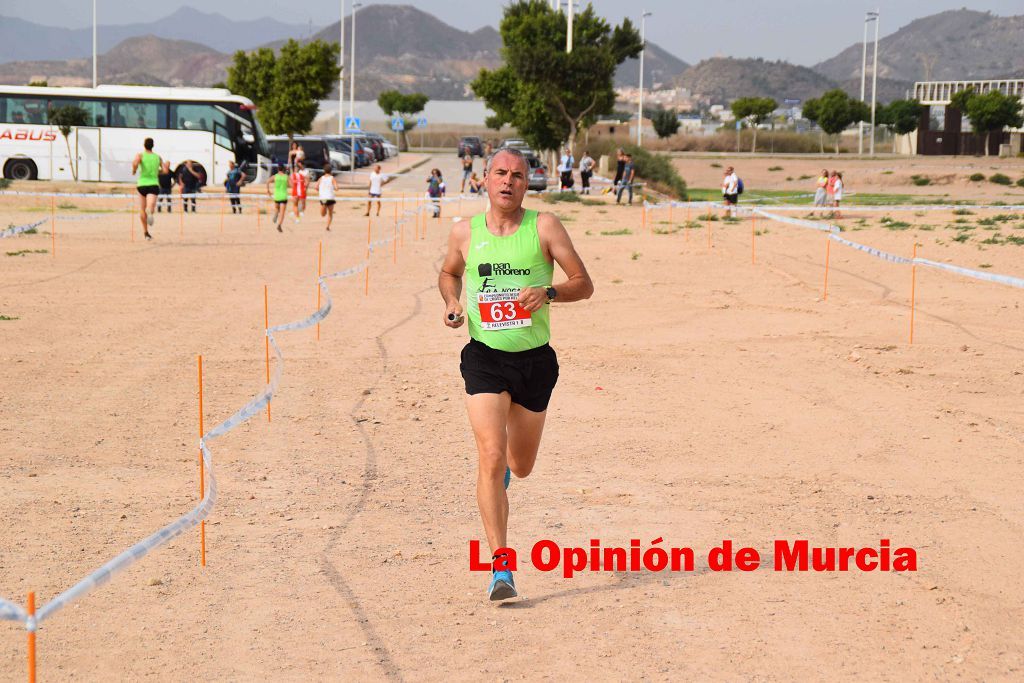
column 546, row 93
column 66, row 118
column 990, row 112
column 756, row 110
column 902, row 117
column 835, row 111
column 286, row 88
column 393, row 102
column 666, row 122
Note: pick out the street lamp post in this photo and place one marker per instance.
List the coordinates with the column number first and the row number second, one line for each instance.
column 94, row 79
column 568, row 32
column 341, row 72
column 352, row 82
column 640, row 111
column 874, row 82
column 863, row 78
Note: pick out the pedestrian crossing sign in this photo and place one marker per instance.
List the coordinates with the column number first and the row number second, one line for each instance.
column 398, row 123
column 352, row 124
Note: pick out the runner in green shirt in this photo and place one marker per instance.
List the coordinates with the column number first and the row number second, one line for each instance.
column 147, row 164
column 506, row 257
column 277, row 188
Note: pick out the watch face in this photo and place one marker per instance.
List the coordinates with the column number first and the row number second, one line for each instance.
column 551, row 293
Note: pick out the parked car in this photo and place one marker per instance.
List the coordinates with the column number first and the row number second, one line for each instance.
column 390, row 149
column 515, row 143
column 470, row 144
column 340, row 151
column 315, row 147
column 380, row 145
column 538, row 176
column 371, row 141
column 343, row 143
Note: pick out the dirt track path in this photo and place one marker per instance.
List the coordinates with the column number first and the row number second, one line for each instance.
column 702, row 398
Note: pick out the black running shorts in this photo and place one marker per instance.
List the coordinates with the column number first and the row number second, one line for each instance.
column 148, row 189
column 528, row 376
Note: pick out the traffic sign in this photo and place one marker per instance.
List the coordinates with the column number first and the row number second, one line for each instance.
column 353, row 124
column 398, row 123
column 421, row 122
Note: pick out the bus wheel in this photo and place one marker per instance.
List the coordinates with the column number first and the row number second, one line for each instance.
column 20, row 169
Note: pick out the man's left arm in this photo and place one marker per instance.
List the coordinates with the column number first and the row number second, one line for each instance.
column 577, row 286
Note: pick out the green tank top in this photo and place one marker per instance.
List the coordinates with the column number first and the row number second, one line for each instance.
column 280, row 187
column 149, row 167
column 496, row 269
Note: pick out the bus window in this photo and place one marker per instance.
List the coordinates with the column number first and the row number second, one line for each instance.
column 197, row 117
column 23, row 110
column 95, row 111
column 138, row 115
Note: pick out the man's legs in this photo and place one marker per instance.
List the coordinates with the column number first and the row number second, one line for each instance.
column 378, row 207
column 507, row 435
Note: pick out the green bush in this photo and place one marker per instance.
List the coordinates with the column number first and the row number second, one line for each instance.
column 552, row 197
column 4, row 182
column 774, row 168
column 999, row 179
column 659, row 173
column 977, row 177
column 1020, row 182
column 921, row 180
column 963, row 212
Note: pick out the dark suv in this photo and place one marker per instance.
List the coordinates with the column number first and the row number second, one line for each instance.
column 471, row 145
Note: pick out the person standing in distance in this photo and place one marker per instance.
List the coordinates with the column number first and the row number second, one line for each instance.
column 147, row 164
column 730, row 192
column 507, row 257
column 586, row 171
column 166, row 180
column 467, row 170
column 376, row 189
column 626, row 182
column 300, row 186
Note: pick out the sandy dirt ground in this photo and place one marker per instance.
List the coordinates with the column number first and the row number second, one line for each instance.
column 948, row 176
column 702, row 398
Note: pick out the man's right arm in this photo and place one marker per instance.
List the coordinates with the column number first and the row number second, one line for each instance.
column 449, row 280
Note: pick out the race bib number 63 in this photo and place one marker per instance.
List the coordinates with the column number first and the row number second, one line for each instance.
column 501, row 311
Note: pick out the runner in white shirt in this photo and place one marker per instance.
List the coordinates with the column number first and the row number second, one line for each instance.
column 325, row 187
column 730, row 191
column 837, row 194
column 376, row 182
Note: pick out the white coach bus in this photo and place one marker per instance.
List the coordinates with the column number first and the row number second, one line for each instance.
column 208, row 126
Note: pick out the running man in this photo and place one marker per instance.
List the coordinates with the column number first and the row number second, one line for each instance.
column 325, row 188
column 277, row 188
column 299, row 185
column 147, row 164
column 376, row 189
column 507, row 256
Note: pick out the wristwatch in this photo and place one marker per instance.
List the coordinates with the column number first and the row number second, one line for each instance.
column 552, row 293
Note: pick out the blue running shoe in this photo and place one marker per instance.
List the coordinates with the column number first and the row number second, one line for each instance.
column 508, row 477
column 503, row 587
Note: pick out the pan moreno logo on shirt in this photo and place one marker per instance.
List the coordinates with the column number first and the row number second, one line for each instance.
column 488, row 271
column 492, row 269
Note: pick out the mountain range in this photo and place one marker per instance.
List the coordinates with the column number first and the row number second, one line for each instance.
column 399, row 46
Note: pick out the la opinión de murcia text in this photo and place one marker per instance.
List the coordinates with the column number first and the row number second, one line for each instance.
column 796, row 555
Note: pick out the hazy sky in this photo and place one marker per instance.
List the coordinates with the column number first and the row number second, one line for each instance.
column 800, row 31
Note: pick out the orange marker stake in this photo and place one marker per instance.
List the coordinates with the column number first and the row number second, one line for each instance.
column 708, row 222
column 319, row 272
column 202, row 470
column 394, row 244
column 828, row 249
column 53, row 227
column 670, row 212
column 31, row 640
column 913, row 293
column 266, row 341
column 181, row 220
column 643, row 219
column 753, row 233
column 366, row 281
column 222, row 216
column 396, row 222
